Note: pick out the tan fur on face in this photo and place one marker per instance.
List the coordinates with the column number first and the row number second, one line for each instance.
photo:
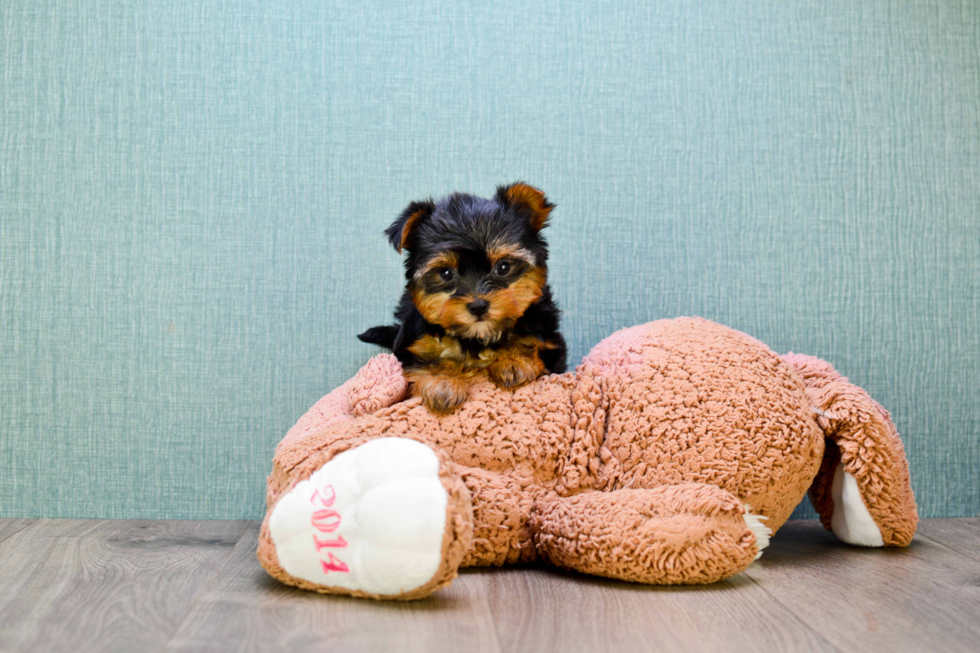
column 497, row 253
column 485, row 332
column 444, row 260
column 443, row 309
column 507, row 305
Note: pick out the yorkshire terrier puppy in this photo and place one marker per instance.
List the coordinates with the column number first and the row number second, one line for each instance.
column 477, row 298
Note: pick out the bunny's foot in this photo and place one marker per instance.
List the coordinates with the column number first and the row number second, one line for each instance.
column 387, row 519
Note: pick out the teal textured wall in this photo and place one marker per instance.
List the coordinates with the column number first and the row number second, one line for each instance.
column 192, row 197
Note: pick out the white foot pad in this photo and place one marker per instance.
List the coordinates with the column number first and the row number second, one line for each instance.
column 372, row 519
column 851, row 521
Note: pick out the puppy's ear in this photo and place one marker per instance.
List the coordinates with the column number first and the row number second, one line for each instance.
column 400, row 231
column 528, row 201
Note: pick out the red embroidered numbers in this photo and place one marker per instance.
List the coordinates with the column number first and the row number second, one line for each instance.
column 327, row 521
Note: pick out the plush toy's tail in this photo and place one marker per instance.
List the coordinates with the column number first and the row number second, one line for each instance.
column 862, row 491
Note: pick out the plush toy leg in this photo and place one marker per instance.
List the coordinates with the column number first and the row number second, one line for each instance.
column 502, row 510
column 387, row 519
column 862, row 491
column 677, row 534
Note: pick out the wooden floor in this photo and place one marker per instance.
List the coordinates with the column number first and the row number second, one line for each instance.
column 195, row 585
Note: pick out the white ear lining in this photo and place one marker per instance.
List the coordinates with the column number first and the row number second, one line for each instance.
column 851, row 521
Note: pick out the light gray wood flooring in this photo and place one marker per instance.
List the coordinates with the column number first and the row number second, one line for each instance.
column 90, row 585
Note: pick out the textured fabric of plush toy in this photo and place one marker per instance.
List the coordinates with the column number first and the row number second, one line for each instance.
column 640, row 465
column 671, row 534
column 867, row 444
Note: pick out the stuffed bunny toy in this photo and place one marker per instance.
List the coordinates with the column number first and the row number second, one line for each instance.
column 669, row 456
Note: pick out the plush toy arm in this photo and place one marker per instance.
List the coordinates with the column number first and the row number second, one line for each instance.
column 377, row 385
column 862, row 491
column 687, row 534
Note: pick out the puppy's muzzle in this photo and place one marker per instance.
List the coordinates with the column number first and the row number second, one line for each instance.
column 478, row 307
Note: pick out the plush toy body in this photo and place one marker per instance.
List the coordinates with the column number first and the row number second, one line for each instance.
column 667, row 457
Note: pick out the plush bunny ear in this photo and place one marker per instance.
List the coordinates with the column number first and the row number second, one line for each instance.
column 527, row 200
column 862, row 489
column 399, row 233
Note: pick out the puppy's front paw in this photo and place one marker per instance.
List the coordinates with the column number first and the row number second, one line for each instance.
column 443, row 396
column 510, row 373
column 440, row 394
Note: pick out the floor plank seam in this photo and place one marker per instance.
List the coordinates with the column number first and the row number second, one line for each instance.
column 947, row 547
column 796, row 616
column 204, row 590
column 30, row 522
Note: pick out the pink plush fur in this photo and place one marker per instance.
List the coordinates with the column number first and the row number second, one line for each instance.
column 643, row 464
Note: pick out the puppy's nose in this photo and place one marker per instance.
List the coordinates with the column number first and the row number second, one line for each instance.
column 478, row 307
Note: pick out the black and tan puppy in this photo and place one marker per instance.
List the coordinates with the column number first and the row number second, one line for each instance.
column 477, row 299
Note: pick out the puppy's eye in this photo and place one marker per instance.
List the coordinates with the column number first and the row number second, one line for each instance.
column 502, row 269
column 446, row 274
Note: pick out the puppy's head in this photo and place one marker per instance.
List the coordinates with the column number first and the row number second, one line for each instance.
column 475, row 265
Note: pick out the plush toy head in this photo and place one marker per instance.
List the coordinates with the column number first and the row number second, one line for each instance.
column 667, row 457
